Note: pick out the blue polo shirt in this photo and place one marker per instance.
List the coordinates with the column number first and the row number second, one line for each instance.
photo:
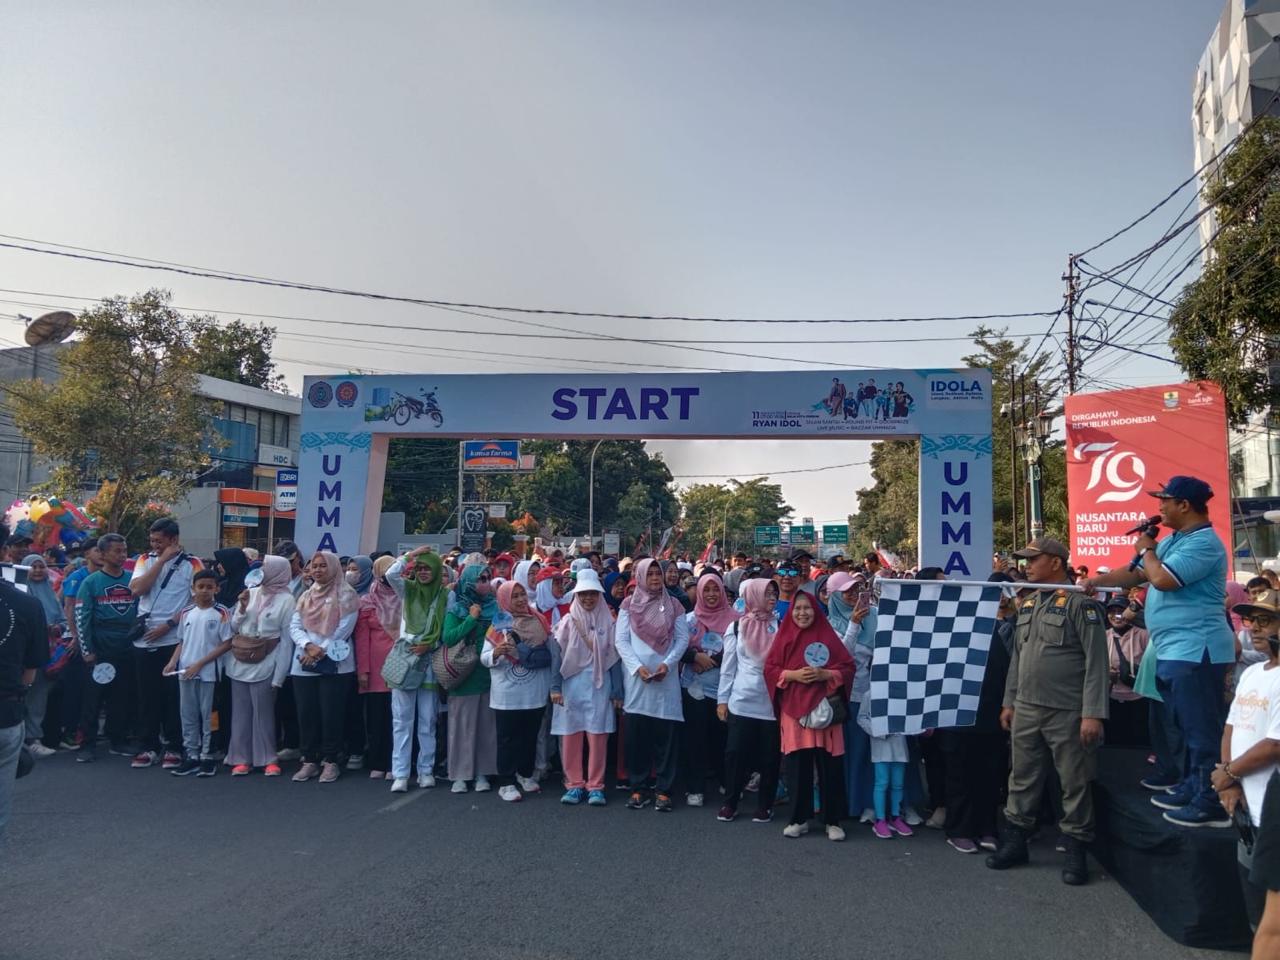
column 1186, row 622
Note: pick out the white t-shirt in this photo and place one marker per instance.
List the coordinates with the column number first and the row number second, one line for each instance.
column 1254, row 717
column 168, row 595
column 199, row 631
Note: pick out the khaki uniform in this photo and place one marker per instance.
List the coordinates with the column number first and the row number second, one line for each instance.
column 1059, row 673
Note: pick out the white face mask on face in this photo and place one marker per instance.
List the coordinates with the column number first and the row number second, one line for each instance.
column 353, row 577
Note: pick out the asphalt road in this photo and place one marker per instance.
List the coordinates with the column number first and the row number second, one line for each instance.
column 106, row 862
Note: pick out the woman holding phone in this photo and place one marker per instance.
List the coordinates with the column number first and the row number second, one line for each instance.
column 473, row 734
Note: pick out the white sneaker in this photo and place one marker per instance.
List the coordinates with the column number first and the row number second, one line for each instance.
column 483, row 784
column 528, row 784
column 938, row 820
column 834, row 832
column 459, row 786
column 400, row 785
column 868, row 816
column 289, row 753
column 38, row 749
column 510, row 794
column 355, row 761
column 426, row 781
column 794, row 830
column 693, row 799
column 910, row 815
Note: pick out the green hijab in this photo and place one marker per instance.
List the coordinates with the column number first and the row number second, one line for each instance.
column 424, row 602
column 465, row 593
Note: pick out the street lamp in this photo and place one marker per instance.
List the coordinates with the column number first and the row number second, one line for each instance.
column 591, row 497
column 1031, row 437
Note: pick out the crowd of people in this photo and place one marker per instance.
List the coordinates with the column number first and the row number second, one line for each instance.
column 676, row 681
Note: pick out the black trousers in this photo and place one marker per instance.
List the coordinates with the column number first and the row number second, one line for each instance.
column 752, row 746
column 703, row 734
column 287, row 717
column 1128, row 725
column 935, row 771
column 517, row 743
column 355, row 735
column 120, row 696
column 651, row 745
column 322, row 708
column 159, row 726
column 377, row 724
column 977, row 765
column 800, row 767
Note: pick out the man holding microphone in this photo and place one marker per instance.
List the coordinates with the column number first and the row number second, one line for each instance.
column 1192, row 641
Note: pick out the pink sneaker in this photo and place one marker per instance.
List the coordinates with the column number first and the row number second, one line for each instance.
column 899, row 826
column 881, row 829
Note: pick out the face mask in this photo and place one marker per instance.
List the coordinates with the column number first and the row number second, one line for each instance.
column 353, row 577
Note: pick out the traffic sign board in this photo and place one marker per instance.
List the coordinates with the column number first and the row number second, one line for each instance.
column 835, row 533
column 802, row 533
column 768, row 536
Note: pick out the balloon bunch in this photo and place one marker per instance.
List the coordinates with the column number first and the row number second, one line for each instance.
column 48, row 522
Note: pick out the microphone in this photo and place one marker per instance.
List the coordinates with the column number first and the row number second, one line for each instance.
column 1144, row 527
column 1150, row 527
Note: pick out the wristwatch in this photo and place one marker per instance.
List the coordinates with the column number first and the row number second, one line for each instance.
column 1143, row 552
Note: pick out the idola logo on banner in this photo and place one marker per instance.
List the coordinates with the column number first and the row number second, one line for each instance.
column 1107, row 464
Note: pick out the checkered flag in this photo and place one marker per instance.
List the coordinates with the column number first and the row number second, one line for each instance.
column 932, row 638
column 15, row 574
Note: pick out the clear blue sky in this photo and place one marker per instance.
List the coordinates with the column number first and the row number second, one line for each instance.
column 727, row 158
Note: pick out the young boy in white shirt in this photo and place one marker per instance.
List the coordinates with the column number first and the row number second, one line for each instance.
column 204, row 635
column 1251, row 738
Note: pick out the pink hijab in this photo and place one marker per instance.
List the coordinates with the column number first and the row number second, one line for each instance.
column 753, row 626
column 652, row 613
column 586, row 637
column 324, row 605
column 1236, row 593
column 708, row 619
column 276, row 575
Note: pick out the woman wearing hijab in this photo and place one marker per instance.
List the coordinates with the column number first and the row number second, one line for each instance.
column 745, row 703
column 700, row 682
column 615, row 585
column 651, row 637
column 472, row 728
column 234, row 565
column 360, row 574
column 415, row 614
column 671, row 581
column 259, row 662
column 523, row 574
column 519, row 663
column 373, row 643
column 37, row 698
column 323, row 662
column 549, row 595
column 807, row 664
column 586, row 690
column 853, row 617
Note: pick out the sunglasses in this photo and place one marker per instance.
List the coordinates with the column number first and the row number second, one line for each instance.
column 788, row 572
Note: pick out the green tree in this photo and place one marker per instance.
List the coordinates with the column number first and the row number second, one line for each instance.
column 124, row 408
column 1225, row 324
column 730, row 512
column 634, row 511
column 237, row 351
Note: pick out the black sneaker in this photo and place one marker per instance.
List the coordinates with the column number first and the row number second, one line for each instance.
column 208, row 768
column 637, row 800
column 662, row 803
column 186, row 768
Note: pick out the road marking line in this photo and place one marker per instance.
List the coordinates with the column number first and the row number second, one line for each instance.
column 404, row 801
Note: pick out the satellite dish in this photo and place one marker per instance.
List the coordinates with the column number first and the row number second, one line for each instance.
column 50, row 328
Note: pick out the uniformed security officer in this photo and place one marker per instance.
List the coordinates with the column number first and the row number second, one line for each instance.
column 1054, row 703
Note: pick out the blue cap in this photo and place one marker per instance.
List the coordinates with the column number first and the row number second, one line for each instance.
column 1185, row 488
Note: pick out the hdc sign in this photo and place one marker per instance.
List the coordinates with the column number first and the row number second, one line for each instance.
column 1122, row 444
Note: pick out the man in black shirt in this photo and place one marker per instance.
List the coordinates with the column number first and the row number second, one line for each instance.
column 24, row 649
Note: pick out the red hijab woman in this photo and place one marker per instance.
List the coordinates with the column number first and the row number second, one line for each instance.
column 807, row 664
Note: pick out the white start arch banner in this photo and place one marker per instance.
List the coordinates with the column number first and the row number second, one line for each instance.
column 1122, row 445
column 348, row 420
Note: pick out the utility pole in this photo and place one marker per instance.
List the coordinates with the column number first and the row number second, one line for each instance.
column 1013, row 456
column 1070, row 277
